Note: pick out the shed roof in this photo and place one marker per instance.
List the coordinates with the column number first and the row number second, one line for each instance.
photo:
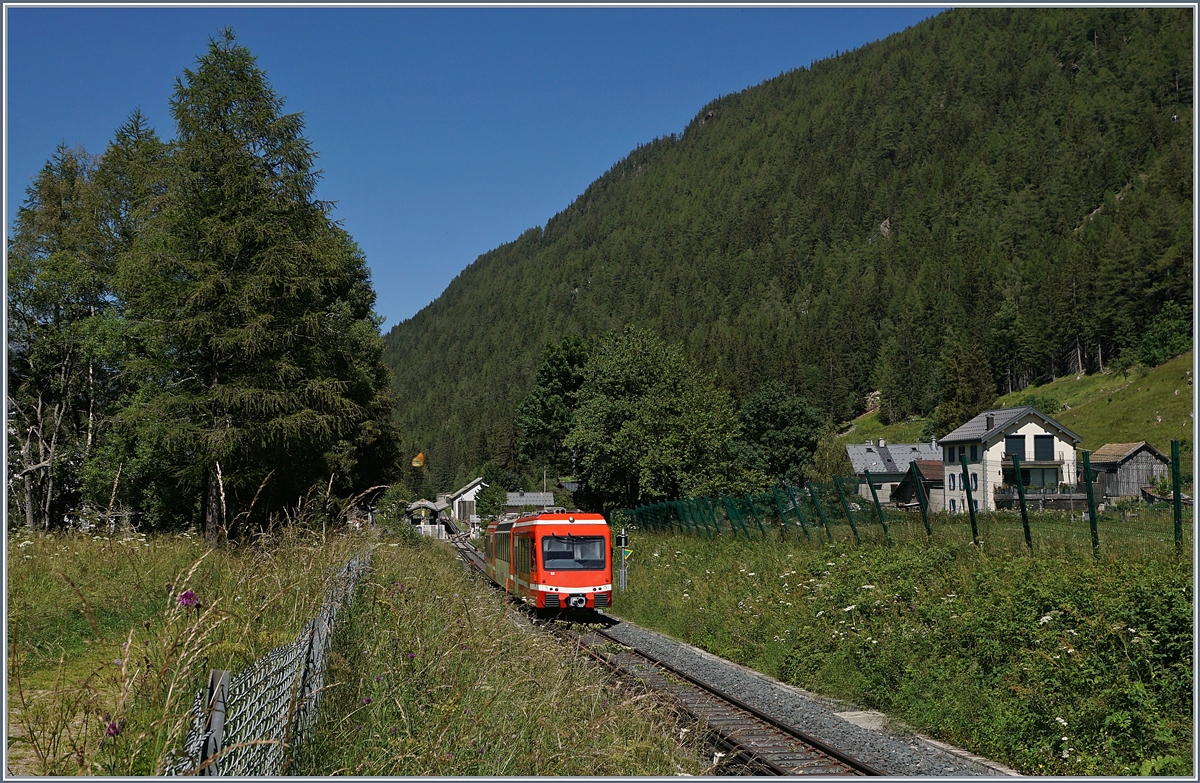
column 889, row 458
column 976, row 430
column 530, row 499
column 1115, row 453
column 931, row 469
column 459, row 493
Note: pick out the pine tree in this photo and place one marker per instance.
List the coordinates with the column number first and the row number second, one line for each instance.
column 258, row 351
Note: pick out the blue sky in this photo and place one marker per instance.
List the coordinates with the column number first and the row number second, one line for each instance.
column 442, row 132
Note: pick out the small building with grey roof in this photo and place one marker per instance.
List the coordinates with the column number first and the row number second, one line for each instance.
column 887, row 463
column 989, row 442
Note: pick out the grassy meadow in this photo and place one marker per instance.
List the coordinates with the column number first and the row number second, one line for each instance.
column 1055, row 663
column 433, row 675
column 429, row 673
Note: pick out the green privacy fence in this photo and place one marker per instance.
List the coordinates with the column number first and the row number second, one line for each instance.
column 828, row 513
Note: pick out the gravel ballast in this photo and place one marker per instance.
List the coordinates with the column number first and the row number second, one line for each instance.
column 866, row 735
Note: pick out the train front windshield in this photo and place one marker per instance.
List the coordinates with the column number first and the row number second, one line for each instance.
column 573, row 553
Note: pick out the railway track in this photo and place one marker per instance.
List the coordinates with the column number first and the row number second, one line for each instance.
column 751, row 741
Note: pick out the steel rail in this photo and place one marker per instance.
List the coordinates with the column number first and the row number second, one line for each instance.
column 786, row 728
column 754, row 757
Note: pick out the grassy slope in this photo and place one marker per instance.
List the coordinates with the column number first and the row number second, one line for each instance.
column 1103, row 408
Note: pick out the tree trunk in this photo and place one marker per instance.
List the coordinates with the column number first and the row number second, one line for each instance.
column 212, row 511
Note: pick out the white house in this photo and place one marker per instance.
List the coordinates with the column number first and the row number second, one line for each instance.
column 462, row 502
column 1045, row 447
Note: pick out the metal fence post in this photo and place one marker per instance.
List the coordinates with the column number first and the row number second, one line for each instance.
column 1021, row 495
column 837, row 482
column 1177, row 495
column 970, row 502
column 782, row 512
column 214, row 725
column 754, row 513
column 1087, row 480
column 916, row 474
column 799, row 514
column 878, row 508
column 820, row 511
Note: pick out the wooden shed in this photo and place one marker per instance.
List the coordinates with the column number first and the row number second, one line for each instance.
column 1122, row 469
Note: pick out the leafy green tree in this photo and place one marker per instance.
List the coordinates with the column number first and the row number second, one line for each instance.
column 258, row 355
column 1169, row 335
column 543, row 418
column 779, row 433
column 829, row 459
column 491, row 501
column 648, row 425
column 57, row 381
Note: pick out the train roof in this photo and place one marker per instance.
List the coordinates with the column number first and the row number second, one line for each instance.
column 577, row 517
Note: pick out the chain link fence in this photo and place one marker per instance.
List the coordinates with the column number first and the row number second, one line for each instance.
column 247, row 724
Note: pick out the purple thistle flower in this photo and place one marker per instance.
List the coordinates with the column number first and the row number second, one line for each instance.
column 392, row 730
column 366, row 700
column 378, row 678
column 186, row 598
column 113, row 730
column 116, row 662
column 411, row 656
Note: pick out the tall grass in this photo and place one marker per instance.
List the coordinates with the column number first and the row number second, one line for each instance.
column 1053, row 662
column 106, row 650
column 433, row 675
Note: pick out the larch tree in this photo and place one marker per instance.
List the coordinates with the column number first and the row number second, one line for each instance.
column 256, row 350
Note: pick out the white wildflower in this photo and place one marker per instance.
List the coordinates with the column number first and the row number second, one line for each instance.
column 849, row 608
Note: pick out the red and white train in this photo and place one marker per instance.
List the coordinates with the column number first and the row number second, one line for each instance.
column 552, row 561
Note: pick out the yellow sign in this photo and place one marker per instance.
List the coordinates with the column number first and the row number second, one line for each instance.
column 419, row 460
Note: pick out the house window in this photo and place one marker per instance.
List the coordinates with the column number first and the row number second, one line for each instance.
column 974, row 452
column 1043, row 447
column 975, row 481
column 1015, row 444
column 953, row 506
column 952, row 482
column 949, row 455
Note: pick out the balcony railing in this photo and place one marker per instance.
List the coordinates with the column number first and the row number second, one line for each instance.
column 1059, row 458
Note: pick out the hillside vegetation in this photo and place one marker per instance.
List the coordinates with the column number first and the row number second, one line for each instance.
column 1009, row 186
column 1150, row 404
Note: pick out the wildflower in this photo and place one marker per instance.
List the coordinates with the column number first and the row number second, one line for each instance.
column 849, row 608
column 116, row 662
column 367, row 700
column 113, row 730
column 411, row 656
column 1045, row 619
column 867, row 587
column 186, row 598
column 392, row 730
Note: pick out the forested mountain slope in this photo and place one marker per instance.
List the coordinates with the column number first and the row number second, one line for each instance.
column 1015, row 182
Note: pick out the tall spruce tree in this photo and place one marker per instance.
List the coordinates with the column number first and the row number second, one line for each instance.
column 257, row 351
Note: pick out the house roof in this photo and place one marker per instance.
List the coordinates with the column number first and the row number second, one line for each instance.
column 530, row 499
column 976, row 430
column 1111, row 453
column 459, row 493
column 931, row 469
column 889, row 458
column 441, row 505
